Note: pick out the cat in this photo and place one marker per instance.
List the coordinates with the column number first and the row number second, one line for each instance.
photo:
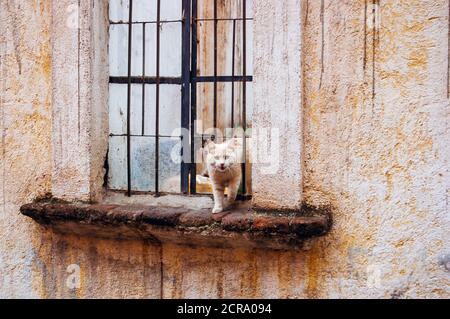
column 224, row 170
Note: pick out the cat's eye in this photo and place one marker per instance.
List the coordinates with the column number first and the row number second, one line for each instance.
column 226, row 157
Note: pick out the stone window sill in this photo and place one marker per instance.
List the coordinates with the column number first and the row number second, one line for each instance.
column 181, row 220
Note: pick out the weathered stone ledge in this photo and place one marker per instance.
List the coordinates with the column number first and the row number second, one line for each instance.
column 241, row 227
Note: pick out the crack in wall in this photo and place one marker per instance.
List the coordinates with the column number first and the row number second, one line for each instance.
column 322, row 21
column 15, row 35
column 375, row 5
column 365, row 36
column 306, row 12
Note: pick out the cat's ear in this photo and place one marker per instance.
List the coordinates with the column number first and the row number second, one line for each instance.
column 234, row 143
column 209, row 146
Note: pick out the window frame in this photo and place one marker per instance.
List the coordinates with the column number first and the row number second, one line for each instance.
column 80, row 99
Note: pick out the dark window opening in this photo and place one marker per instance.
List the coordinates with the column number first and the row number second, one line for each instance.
column 176, row 64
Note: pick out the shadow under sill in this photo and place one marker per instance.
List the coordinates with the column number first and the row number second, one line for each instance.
column 188, row 222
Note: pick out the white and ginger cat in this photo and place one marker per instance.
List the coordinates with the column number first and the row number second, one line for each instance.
column 223, row 163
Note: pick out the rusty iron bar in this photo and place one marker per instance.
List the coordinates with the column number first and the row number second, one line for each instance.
column 185, row 76
column 193, row 168
column 223, row 19
column 233, row 43
column 145, row 135
column 130, row 33
column 143, row 77
column 145, row 80
column 158, row 40
column 222, row 78
column 176, row 80
column 215, row 65
column 145, row 22
column 244, row 92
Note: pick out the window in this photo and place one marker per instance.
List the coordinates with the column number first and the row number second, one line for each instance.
column 175, row 64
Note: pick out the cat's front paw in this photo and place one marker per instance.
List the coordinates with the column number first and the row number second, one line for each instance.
column 229, row 203
column 217, row 210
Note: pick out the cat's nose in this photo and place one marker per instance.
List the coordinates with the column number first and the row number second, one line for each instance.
column 222, row 166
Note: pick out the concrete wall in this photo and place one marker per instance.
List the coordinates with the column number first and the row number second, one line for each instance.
column 376, row 132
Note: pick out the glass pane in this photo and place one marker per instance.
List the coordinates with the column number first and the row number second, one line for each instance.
column 249, row 103
column 142, row 163
column 150, row 49
column 136, row 109
column 118, row 48
column 249, row 8
column 169, row 165
column 136, row 50
column 171, row 9
column 170, row 49
column 118, row 10
column 249, row 51
column 117, row 161
column 169, row 109
column 150, row 109
column 118, row 94
column 117, row 108
column 144, row 10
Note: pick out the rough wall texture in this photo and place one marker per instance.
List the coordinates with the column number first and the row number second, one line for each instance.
column 277, row 95
column 376, row 123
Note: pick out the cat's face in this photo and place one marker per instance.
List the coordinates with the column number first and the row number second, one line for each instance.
column 220, row 157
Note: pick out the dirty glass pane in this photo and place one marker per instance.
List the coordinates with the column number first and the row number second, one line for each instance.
column 143, row 163
column 118, row 10
column 117, row 161
column 118, row 109
column 169, row 165
column 118, row 46
column 144, row 10
column 170, row 49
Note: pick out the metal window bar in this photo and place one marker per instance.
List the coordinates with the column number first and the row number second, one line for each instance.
column 188, row 81
column 158, row 42
column 193, row 167
column 244, row 95
column 130, row 40
column 186, row 70
column 215, row 64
